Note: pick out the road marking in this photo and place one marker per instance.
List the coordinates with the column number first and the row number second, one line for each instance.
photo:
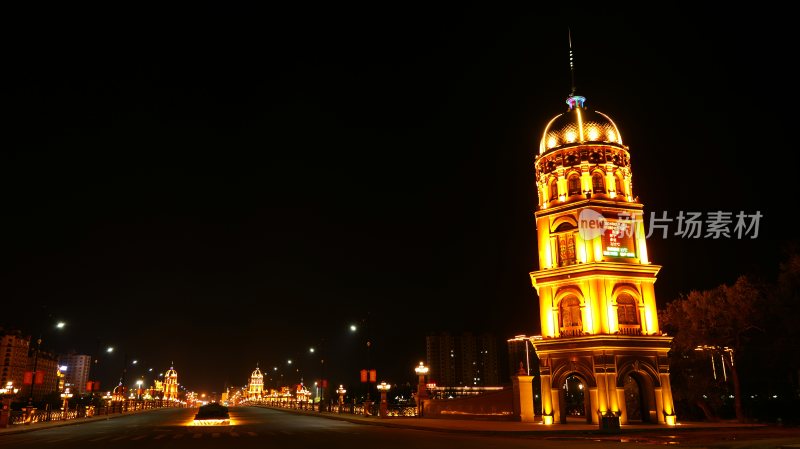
column 197, row 435
column 178, row 435
column 158, row 437
column 252, row 434
column 234, row 434
column 99, row 438
column 215, row 435
column 119, row 438
column 284, row 432
column 139, row 437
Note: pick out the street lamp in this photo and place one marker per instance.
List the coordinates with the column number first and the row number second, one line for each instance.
column 6, row 393
column 311, row 350
column 384, row 407
column 353, row 328
column 66, row 395
column 422, row 392
column 61, row 324
column 341, row 392
column 139, row 388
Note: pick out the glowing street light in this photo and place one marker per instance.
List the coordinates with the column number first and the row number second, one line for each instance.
column 66, row 395
column 341, row 391
column 61, row 324
column 353, row 328
column 110, row 349
column 384, row 407
column 135, row 362
column 422, row 392
column 311, row 350
column 289, row 362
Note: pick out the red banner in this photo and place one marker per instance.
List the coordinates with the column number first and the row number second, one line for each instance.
column 373, row 375
column 95, row 386
column 89, row 385
column 39, row 378
column 324, row 383
column 28, row 378
column 363, row 375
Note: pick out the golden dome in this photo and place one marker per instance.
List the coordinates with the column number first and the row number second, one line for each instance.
column 257, row 374
column 579, row 126
column 171, row 372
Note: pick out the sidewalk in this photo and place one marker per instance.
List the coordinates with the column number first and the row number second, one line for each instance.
column 508, row 427
column 24, row 428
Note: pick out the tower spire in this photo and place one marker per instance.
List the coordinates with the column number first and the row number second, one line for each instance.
column 571, row 61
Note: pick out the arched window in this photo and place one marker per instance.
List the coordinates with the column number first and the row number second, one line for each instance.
column 618, row 186
column 565, row 238
column 598, row 183
column 574, row 185
column 553, row 190
column 570, row 310
column 628, row 315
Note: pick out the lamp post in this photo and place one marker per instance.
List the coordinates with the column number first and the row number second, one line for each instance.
column 384, row 407
column 422, row 392
column 6, row 393
column 341, row 392
column 35, row 366
column 65, row 396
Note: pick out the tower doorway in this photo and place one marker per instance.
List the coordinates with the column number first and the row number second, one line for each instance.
column 575, row 399
column 637, row 403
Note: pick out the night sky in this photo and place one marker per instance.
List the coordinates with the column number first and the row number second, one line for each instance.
column 220, row 187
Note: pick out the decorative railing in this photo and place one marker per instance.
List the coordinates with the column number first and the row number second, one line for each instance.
column 393, row 410
column 630, row 329
column 571, row 331
column 39, row 416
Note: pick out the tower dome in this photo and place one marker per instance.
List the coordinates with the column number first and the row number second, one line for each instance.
column 171, row 384
column 578, row 126
column 255, row 388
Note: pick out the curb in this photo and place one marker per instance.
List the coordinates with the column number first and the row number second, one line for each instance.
column 73, row 422
column 547, row 432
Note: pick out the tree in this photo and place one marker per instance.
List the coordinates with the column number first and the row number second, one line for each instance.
column 720, row 318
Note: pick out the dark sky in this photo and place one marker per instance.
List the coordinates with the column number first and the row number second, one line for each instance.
column 220, row 187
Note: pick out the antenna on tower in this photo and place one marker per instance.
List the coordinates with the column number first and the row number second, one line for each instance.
column 571, row 61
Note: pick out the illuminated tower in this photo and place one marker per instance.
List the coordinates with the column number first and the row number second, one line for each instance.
column 255, row 388
column 171, row 384
column 602, row 353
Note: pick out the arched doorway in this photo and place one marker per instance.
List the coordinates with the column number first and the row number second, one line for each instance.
column 575, row 399
column 637, row 400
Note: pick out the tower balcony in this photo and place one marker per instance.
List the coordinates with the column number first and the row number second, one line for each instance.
column 571, row 331
column 630, row 329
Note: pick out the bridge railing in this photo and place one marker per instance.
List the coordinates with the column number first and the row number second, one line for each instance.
column 23, row 417
column 394, row 410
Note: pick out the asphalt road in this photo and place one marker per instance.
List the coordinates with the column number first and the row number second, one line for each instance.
column 264, row 428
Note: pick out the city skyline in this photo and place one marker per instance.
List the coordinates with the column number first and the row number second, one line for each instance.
column 245, row 201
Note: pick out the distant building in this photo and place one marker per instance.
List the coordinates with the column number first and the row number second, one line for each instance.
column 14, row 348
column 255, row 388
column 171, row 384
column 47, row 368
column 462, row 360
column 522, row 354
column 77, row 373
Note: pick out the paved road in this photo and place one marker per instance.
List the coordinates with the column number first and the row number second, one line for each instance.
column 264, row 428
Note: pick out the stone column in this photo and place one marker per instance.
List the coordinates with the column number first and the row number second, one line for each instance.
column 523, row 398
